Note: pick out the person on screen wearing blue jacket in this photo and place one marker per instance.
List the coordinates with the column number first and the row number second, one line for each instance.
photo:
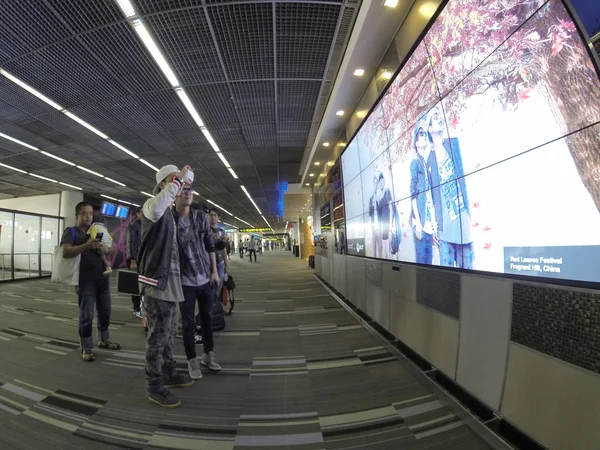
column 450, row 199
column 423, row 211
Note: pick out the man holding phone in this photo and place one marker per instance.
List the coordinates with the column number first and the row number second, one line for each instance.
column 160, row 284
column 199, row 278
column 94, row 287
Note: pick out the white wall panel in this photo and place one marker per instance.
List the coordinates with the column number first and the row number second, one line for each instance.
column 339, row 269
column 433, row 335
column 378, row 305
column 319, row 266
column 555, row 402
column 356, row 282
column 484, row 335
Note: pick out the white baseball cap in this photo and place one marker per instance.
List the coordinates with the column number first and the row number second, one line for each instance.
column 163, row 173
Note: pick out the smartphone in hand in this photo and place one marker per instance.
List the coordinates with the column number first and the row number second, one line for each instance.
column 99, row 236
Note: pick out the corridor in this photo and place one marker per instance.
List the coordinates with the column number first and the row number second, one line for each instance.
column 299, row 372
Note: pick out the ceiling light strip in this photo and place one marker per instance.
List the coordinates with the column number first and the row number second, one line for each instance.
column 146, row 194
column 70, row 185
column 220, row 207
column 12, row 168
column 143, row 161
column 69, row 114
column 151, row 46
column 110, row 198
column 114, row 181
column 43, row 178
column 58, row 158
column 90, row 171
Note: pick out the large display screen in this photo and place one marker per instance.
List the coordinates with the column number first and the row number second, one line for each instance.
column 484, row 152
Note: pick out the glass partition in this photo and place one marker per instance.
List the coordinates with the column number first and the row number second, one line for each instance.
column 27, row 243
column 49, row 238
column 6, row 245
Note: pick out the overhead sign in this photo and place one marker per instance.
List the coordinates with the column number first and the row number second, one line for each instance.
column 254, row 230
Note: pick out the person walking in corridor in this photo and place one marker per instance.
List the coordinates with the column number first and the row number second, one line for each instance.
column 94, row 287
column 199, row 278
column 252, row 249
column 160, row 284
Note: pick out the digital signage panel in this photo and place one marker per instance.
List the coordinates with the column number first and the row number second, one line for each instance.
column 484, row 152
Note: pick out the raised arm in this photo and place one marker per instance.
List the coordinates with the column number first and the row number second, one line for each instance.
column 155, row 207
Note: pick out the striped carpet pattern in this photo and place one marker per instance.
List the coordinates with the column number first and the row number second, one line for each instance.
column 298, row 373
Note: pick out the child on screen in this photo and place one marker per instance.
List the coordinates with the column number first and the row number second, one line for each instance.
column 97, row 228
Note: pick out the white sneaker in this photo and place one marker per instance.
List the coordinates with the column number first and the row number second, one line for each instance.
column 210, row 361
column 194, row 369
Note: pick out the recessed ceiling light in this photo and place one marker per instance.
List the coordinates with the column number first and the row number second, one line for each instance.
column 317, row 163
column 428, row 9
column 386, row 75
column 361, row 114
column 330, row 163
column 391, row 3
column 339, row 113
column 308, row 184
column 325, row 144
column 359, row 72
column 311, row 174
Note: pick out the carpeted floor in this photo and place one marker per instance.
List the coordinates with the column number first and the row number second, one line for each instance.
column 298, row 373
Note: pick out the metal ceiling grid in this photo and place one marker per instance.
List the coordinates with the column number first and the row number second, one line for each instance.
column 290, row 155
column 67, row 126
column 44, row 131
column 34, row 71
column 263, row 155
column 166, row 108
column 214, row 104
column 260, row 135
column 304, row 37
column 254, row 101
column 123, row 109
column 244, row 33
column 19, row 132
column 296, row 100
column 153, row 6
column 10, row 114
column 186, row 39
column 116, row 46
column 86, row 15
column 77, row 64
column 293, row 134
column 94, row 113
column 22, row 100
column 36, row 26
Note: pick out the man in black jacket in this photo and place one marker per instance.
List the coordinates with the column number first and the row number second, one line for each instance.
column 134, row 241
column 160, row 283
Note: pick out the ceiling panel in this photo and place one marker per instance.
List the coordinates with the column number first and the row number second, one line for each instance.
column 252, row 69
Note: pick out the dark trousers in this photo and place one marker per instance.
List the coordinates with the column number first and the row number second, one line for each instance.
column 162, row 323
column 204, row 296
column 90, row 293
column 424, row 248
column 136, row 300
column 241, row 252
column 252, row 252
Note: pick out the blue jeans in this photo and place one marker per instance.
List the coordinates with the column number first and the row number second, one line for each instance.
column 90, row 293
column 424, row 248
column 204, row 295
column 456, row 255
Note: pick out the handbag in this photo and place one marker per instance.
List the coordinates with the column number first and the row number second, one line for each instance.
column 65, row 270
column 230, row 284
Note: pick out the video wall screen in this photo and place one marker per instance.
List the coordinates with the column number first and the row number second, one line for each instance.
column 484, row 152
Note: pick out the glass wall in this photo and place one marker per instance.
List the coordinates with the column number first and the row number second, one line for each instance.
column 27, row 243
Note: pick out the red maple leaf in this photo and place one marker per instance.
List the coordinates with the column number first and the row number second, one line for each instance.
column 524, row 95
column 487, row 245
column 454, row 121
column 487, row 228
column 476, row 205
column 476, row 224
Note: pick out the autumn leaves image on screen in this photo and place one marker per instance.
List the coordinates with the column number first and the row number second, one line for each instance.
column 487, row 140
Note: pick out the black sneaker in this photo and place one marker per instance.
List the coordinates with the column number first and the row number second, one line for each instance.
column 178, row 380
column 162, row 397
column 137, row 313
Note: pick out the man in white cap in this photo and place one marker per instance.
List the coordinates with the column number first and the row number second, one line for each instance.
column 160, row 284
